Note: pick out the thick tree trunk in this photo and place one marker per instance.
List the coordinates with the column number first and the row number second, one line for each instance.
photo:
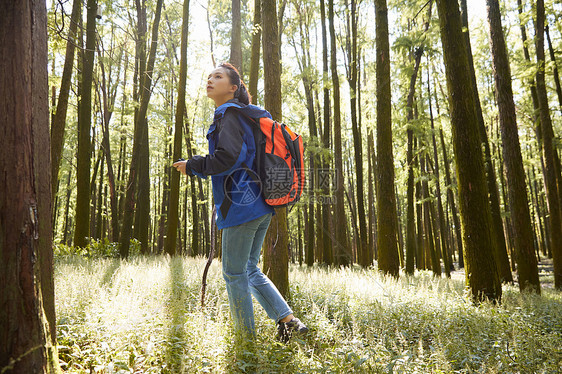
column 276, row 246
column 481, row 272
column 388, row 260
column 512, row 159
column 173, row 217
column 27, row 316
column 500, row 253
column 549, row 151
column 59, row 122
column 82, row 216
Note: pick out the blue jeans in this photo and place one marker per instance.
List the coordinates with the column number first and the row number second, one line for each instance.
column 241, row 248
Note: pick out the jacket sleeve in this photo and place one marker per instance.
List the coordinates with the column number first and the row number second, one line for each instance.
column 230, row 150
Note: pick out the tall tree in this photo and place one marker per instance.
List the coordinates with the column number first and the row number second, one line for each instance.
column 307, row 73
column 236, row 36
column 387, row 231
column 549, row 151
column 410, row 217
column 27, row 336
column 145, row 92
column 171, row 236
column 500, row 253
column 82, row 216
column 327, row 239
column 59, row 121
column 362, row 249
column 255, row 59
column 481, row 273
column 512, row 159
column 276, row 245
column 342, row 250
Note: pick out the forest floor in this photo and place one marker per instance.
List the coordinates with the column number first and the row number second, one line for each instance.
column 143, row 315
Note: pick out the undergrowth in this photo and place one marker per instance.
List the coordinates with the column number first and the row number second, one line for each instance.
column 143, row 315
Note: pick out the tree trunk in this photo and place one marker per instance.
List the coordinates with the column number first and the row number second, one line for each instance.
column 481, row 272
column 82, row 216
column 512, row 159
column 236, row 37
column 108, row 99
column 27, row 316
column 173, row 217
column 388, row 260
column 429, row 224
column 59, row 122
column 548, row 151
column 255, row 59
column 341, row 247
column 410, row 217
column 306, row 69
column 146, row 83
column 327, row 241
column 276, row 246
column 445, row 250
column 362, row 242
column 500, row 253
column 554, row 68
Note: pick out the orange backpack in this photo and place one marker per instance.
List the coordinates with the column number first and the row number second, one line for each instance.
column 280, row 162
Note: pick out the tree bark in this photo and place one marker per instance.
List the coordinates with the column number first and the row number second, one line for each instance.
column 549, row 151
column 341, row 246
column 362, row 244
column 146, row 83
column 388, row 260
column 481, row 272
column 327, row 240
column 82, row 216
column 59, row 122
column 276, row 246
column 445, row 250
column 173, row 218
column 255, row 59
column 512, row 159
column 554, row 68
column 27, row 316
column 236, row 37
column 500, row 254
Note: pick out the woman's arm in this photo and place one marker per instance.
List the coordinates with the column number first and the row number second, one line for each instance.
column 230, row 151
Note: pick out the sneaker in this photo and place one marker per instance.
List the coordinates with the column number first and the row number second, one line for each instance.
column 286, row 329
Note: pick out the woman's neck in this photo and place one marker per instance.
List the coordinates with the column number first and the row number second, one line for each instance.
column 222, row 100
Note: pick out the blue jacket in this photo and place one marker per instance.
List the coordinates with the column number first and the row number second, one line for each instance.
column 232, row 151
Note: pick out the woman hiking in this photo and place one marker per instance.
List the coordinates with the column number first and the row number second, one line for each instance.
column 241, row 211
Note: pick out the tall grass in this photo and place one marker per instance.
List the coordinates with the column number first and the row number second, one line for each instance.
column 143, row 316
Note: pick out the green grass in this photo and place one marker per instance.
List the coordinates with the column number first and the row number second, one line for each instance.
column 143, row 316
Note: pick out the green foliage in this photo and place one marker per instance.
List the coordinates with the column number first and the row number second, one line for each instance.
column 96, row 249
column 144, row 315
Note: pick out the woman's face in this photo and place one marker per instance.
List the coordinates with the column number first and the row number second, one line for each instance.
column 219, row 87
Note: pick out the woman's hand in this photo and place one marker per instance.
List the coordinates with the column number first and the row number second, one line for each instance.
column 180, row 166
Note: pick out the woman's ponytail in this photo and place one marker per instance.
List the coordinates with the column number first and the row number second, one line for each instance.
column 241, row 93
